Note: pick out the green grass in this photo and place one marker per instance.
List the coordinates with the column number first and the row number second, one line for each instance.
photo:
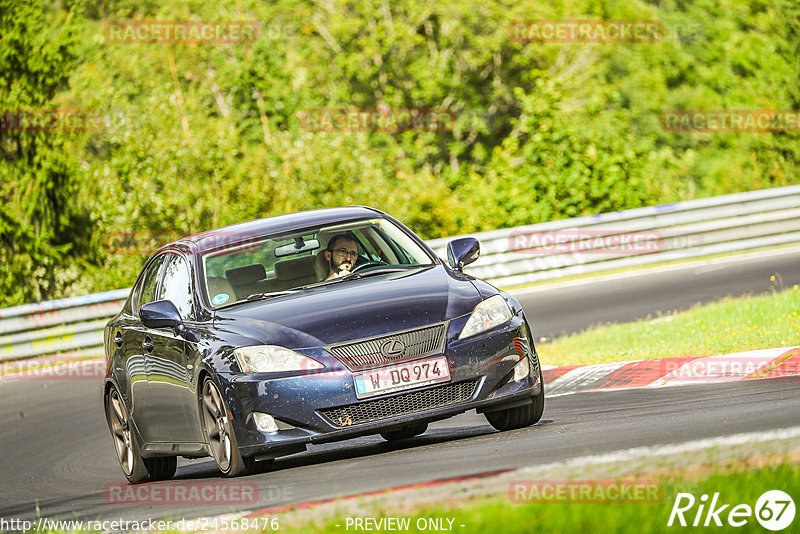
column 730, row 325
column 736, row 485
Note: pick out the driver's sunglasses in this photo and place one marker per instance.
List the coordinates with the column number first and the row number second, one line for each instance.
column 345, row 252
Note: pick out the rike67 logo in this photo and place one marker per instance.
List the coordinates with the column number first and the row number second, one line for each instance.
column 774, row 510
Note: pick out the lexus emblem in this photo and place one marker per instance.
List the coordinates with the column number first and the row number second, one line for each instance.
column 393, row 349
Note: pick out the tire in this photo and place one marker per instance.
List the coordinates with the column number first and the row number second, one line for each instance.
column 519, row 416
column 253, row 467
column 162, row 467
column 406, row 432
column 130, row 459
column 220, row 437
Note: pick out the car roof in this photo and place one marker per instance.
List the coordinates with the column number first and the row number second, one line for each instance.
column 257, row 229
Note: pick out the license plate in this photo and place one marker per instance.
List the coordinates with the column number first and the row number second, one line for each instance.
column 400, row 377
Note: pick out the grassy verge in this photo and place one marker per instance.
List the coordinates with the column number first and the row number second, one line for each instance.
column 736, row 485
column 731, row 325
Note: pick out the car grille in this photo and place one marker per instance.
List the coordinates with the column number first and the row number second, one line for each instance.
column 416, row 401
column 372, row 352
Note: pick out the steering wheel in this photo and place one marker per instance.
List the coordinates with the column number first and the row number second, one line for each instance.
column 368, row 264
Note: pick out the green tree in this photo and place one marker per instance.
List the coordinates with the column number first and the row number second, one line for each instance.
column 43, row 227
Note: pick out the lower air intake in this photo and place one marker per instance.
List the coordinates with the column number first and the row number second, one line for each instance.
column 416, row 401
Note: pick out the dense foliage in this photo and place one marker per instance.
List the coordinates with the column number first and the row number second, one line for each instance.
column 199, row 135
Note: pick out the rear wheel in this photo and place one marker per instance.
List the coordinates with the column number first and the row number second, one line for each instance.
column 136, row 468
column 125, row 445
column 406, row 432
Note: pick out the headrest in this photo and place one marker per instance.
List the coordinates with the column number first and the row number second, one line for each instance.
column 295, row 268
column 241, row 276
column 322, row 266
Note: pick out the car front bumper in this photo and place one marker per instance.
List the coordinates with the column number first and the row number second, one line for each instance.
column 482, row 377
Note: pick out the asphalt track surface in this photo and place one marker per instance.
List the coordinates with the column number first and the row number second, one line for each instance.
column 572, row 307
column 56, row 456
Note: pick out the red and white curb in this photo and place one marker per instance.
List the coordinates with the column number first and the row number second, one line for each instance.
column 766, row 363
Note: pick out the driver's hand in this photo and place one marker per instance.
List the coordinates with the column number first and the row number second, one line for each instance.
column 345, row 269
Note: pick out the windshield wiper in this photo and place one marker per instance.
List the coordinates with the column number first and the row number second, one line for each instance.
column 354, row 276
column 261, row 296
column 385, row 270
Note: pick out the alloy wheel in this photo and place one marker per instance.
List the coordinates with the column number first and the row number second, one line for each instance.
column 121, row 432
column 217, row 426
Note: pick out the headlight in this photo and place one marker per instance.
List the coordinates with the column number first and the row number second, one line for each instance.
column 272, row 359
column 489, row 313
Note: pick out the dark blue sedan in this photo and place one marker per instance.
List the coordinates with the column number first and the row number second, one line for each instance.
column 250, row 342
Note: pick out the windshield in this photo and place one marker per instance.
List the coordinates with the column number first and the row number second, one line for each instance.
column 281, row 264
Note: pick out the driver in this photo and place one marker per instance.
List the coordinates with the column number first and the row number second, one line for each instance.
column 341, row 255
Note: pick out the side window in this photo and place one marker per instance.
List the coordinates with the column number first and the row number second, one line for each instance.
column 177, row 285
column 149, row 283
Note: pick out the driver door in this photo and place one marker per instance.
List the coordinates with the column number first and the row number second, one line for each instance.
column 167, row 359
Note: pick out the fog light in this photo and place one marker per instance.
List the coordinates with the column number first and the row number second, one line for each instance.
column 265, row 422
column 522, row 369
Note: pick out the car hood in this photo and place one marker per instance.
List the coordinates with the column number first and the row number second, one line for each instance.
column 354, row 309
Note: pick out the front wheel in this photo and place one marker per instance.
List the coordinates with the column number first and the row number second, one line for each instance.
column 406, row 432
column 519, row 416
column 221, row 439
column 218, row 431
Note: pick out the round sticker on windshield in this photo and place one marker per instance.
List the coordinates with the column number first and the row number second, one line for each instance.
column 222, row 298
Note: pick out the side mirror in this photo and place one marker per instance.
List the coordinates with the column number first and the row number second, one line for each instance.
column 463, row 251
column 160, row 314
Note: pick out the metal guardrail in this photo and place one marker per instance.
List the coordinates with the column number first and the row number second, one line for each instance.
column 682, row 230
column 73, row 327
